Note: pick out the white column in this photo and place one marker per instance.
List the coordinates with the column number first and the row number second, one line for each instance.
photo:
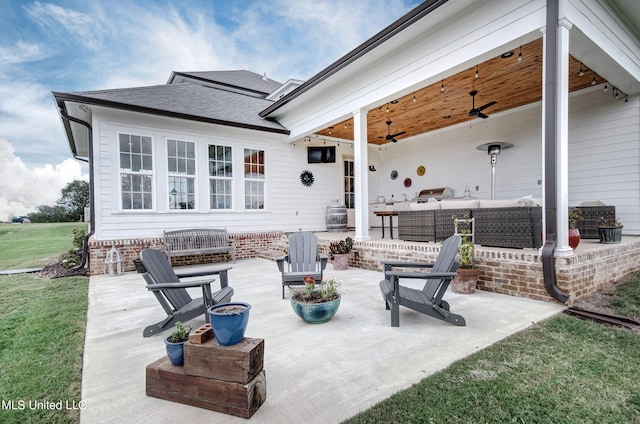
column 562, row 137
column 361, row 169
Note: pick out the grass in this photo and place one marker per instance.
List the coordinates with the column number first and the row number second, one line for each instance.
column 43, row 327
column 561, row 370
column 34, row 245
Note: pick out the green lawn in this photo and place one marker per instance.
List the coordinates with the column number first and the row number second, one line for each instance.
column 42, row 327
column 34, row 245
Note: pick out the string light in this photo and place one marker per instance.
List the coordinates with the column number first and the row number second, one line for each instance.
column 606, row 87
column 442, row 87
column 476, row 72
column 414, row 97
column 581, row 72
column 520, row 55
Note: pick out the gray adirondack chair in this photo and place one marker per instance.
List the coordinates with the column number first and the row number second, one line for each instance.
column 172, row 294
column 303, row 259
column 429, row 299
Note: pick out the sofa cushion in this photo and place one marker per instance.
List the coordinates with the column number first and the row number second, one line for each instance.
column 507, row 203
column 459, row 204
column 426, row 206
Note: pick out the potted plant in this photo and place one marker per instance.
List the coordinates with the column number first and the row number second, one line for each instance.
column 318, row 302
column 467, row 274
column 229, row 322
column 575, row 216
column 339, row 252
column 175, row 343
column 610, row 230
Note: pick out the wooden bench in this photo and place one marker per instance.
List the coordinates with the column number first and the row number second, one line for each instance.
column 199, row 241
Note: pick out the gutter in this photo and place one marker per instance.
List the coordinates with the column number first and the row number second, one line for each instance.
column 389, row 32
column 550, row 143
column 92, row 213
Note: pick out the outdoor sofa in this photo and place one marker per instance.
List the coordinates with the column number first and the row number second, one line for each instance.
column 513, row 223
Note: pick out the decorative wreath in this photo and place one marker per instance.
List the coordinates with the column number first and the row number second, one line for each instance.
column 306, row 178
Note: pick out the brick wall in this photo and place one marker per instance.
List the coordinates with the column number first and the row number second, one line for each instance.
column 513, row 271
column 508, row 271
column 248, row 245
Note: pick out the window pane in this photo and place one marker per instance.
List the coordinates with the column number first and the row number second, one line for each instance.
column 171, row 148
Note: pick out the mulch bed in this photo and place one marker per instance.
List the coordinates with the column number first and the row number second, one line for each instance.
column 56, row 269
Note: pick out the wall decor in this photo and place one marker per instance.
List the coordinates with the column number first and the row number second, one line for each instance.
column 394, row 174
column 421, row 170
column 407, row 182
column 306, row 177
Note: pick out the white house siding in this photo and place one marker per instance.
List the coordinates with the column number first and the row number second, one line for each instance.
column 290, row 206
column 604, row 156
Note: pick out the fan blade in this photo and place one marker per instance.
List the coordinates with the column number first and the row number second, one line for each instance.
column 397, row 134
column 393, row 140
column 482, row 115
column 481, row 108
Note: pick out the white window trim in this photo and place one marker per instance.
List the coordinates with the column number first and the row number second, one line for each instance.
column 178, row 175
column 120, row 172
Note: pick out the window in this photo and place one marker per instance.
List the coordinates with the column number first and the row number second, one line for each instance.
column 136, row 171
column 254, row 179
column 181, row 164
column 220, row 177
column 349, row 184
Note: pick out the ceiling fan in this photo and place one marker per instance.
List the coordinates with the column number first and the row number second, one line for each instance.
column 392, row 137
column 478, row 111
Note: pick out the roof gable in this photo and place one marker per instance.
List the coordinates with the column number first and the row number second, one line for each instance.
column 239, row 80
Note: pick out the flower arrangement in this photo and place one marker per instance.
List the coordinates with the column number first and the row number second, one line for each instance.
column 610, row 222
column 575, row 216
column 314, row 292
column 340, row 247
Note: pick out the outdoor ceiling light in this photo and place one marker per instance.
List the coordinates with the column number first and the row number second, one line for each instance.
column 581, row 72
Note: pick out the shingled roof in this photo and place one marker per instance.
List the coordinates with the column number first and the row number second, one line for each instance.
column 192, row 101
column 241, row 79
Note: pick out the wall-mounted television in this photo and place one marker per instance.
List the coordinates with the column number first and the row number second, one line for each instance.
column 321, row 154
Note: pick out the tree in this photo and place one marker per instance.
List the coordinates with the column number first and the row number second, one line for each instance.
column 75, row 197
column 50, row 214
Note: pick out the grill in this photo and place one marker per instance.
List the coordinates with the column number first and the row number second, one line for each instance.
column 436, row 193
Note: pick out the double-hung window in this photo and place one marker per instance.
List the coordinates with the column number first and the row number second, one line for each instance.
column 349, row 184
column 136, row 172
column 254, row 179
column 220, row 177
column 181, row 164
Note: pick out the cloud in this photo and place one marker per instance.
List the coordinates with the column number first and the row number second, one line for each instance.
column 22, row 189
column 86, row 29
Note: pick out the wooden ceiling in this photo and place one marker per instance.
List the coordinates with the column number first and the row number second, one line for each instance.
column 507, row 81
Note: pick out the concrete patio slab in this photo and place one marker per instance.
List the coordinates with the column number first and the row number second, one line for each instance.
column 315, row 373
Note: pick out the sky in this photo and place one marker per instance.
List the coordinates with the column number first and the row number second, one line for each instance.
column 80, row 45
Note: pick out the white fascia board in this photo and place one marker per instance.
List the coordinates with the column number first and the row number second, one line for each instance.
column 442, row 44
column 616, row 55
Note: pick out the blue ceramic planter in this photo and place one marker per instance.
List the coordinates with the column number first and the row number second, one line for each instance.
column 175, row 351
column 316, row 313
column 228, row 329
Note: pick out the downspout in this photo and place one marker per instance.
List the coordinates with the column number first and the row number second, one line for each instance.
column 92, row 214
column 550, row 142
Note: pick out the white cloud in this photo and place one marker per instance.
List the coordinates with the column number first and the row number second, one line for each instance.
column 21, row 52
column 23, row 188
column 86, row 29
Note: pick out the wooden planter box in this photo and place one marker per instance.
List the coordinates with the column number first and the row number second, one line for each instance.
column 166, row 381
